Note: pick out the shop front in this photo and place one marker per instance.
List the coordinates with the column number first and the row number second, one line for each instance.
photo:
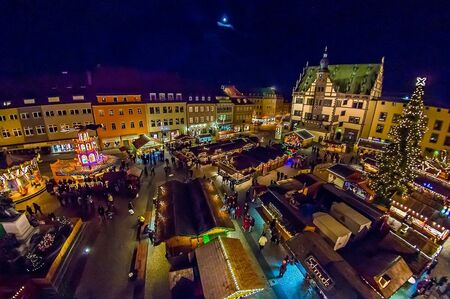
column 62, row 146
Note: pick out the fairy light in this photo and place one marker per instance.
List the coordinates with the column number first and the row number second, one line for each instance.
column 230, row 268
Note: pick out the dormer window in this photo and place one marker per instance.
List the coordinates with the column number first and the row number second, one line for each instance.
column 153, row 97
column 384, row 280
column 196, row 98
column 203, row 98
column 29, row 101
column 162, row 96
column 115, row 99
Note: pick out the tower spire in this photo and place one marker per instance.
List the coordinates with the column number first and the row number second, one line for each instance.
column 324, row 60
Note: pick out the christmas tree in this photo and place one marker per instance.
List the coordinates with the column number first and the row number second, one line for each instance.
column 401, row 157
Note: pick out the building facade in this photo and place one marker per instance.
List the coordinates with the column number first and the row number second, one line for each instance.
column 243, row 114
column 123, row 118
column 225, row 120
column 201, row 115
column 166, row 116
column 386, row 114
column 333, row 100
column 11, row 127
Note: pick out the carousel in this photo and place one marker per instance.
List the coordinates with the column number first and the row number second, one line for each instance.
column 88, row 163
column 20, row 177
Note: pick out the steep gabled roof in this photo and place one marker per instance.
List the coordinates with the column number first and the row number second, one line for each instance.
column 346, row 78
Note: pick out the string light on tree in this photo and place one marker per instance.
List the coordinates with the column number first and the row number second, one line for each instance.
column 402, row 156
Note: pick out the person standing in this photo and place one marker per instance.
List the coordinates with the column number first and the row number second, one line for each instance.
column 262, row 241
column 283, row 268
column 101, row 213
column 37, row 208
column 29, row 210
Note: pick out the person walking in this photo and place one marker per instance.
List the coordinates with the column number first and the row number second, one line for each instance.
column 101, row 213
column 145, row 171
column 153, row 171
column 37, row 208
column 283, row 268
column 262, row 241
column 252, row 223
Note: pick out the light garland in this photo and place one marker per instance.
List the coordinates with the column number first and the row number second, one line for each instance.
column 230, row 268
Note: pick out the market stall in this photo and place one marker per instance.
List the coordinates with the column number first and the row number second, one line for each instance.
column 333, row 146
column 226, row 270
column 20, row 177
column 298, row 139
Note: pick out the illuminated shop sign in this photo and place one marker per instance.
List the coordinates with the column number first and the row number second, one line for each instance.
column 322, row 276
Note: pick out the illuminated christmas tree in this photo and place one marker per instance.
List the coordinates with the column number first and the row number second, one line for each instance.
column 401, row 158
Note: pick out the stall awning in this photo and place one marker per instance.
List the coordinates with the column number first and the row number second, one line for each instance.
column 145, row 141
column 134, row 171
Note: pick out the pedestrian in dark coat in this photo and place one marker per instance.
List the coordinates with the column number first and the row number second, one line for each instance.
column 283, row 268
column 37, row 208
column 29, row 210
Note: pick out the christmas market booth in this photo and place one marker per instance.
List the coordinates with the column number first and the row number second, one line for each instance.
column 20, row 178
column 333, row 146
column 298, row 139
column 226, row 270
column 437, row 166
column 370, row 146
column 189, row 215
column 424, row 212
column 348, row 178
column 145, row 144
column 88, row 163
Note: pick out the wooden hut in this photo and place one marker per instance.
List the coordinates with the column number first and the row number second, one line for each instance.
column 226, row 270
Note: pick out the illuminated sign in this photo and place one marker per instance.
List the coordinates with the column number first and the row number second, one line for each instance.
column 322, row 276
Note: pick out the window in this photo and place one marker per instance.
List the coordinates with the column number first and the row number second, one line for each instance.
column 166, row 123
column 152, row 110
column 164, row 109
column 5, row 133
column 24, row 115
column 327, row 103
column 17, row 132
column 74, row 111
column 124, row 99
column 122, row 125
column 120, row 111
column 170, row 96
column 169, row 109
column 101, row 112
column 157, row 110
column 297, row 113
column 64, row 127
column 76, row 124
column 177, row 109
column 3, row 118
column 139, row 111
column 196, row 119
column 212, row 118
column 212, row 108
column 141, row 124
column 40, row 130
column 310, row 102
column 207, row 118
column 196, row 108
column 13, row 117
column 130, row 111
column 170, row 122
column 62, row 112
column 396, row 118
column 158, row 122
column 115, row 99
column 191, row 109
column 344, row 103
column 434, row 138
column 299, row 101
column 353, row 119
column 132, row 124
column 162, row 97
column 113, row 126
column 202, row 109
column 379, row 128
column 437, row 125
column 28, row 131
column 153, row 123
column 447, row 141
column 207, row 108
column 103, row 100
column 191, row 120
column 111, row 112
column 178, row 96
column 357, row 104
column 343, row 113
column 86, row 111
column 202, row 119
column 383, row 116
column 52, row 129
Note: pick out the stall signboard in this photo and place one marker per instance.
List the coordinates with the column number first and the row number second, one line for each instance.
column 321, row 275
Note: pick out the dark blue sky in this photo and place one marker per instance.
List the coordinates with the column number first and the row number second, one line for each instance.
column 270, row 44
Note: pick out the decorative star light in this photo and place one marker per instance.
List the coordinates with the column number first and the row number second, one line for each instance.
column 421, row 81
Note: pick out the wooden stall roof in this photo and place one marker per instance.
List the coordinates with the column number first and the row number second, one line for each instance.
column 226, row 256
column 188, row 209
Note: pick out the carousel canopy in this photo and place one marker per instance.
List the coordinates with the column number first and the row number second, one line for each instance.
column 226, row 270
column 8, row 160
column 189, row 209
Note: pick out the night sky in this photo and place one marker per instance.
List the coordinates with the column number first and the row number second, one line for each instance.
column 270, row 43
